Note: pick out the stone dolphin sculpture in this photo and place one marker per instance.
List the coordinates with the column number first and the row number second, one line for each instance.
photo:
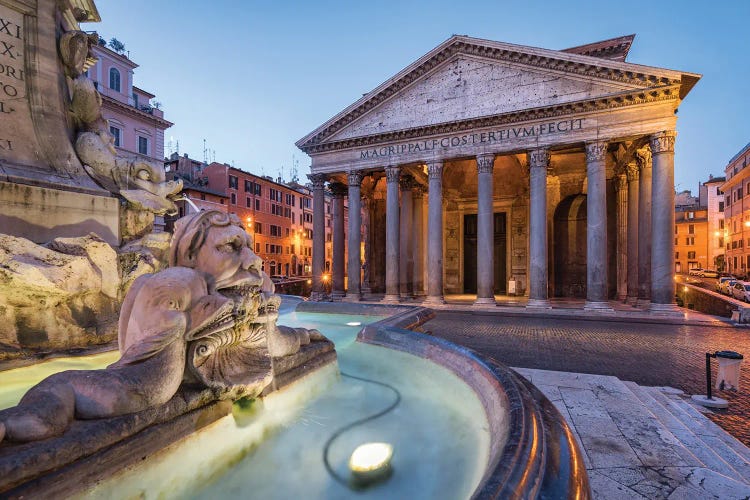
column 161, row 314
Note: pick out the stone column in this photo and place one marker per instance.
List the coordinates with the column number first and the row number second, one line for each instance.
column 485, row 231
column 354, row 264
column 406, row 238
column 644, row 227
column 538, row 272
column 622, row 235
column 338, row 191
column 662, row 223
column 435, row 234
column 391, row 236
column 319, row 235
column 596, row 227
column 418, row 243
column 367, row 240
column 632, row 171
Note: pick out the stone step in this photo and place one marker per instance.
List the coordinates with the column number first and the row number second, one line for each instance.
column 683, row 433
column 653, row 444
column 729, row 449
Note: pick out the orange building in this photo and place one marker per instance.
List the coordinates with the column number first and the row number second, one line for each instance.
column 691, row 238
column 736, row 190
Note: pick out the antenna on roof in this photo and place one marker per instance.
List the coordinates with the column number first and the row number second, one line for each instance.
column 294, row 173
column 205, row 152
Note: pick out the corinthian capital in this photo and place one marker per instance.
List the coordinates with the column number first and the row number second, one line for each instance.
column 632, row 171
column 595, row 151
column 354, row 177
column 435, row 170
column 406, row 182
column 663, row 142
column 391, row 174
column 539, row 158
column 485, row 163
column 338, row 190
column 643, row 157
column 318, row 180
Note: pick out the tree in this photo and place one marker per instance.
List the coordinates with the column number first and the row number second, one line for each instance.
column 117, row 45
column 102, row 42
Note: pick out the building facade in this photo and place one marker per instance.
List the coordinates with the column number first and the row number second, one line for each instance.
column 736, row 191
column 485, row 166
column 712, row 197
column 691, row 239
column 135, row 122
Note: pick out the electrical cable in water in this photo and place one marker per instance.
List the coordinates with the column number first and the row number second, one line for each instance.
column 361, row 421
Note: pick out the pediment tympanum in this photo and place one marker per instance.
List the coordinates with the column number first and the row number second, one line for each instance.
column 468, row 87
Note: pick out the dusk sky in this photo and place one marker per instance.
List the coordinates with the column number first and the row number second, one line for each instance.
column 251, row 78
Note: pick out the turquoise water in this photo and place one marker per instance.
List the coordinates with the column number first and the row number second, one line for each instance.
column 275, row 449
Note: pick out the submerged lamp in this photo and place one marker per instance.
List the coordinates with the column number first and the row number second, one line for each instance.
column 354, row 323
column 370, row 463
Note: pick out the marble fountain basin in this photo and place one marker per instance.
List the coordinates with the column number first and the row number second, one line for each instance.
column 461, row 426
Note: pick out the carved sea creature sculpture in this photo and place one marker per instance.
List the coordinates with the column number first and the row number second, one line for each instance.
column 160, row 315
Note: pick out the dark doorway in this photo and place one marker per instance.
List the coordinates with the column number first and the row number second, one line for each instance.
column 470, row 253
column 570, row 247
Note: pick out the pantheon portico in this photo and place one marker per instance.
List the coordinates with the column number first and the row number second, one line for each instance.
column 485, row 166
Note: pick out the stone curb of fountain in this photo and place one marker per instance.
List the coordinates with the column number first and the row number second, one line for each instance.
column 518, row 414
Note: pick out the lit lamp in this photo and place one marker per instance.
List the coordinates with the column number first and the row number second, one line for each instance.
column 370, row 463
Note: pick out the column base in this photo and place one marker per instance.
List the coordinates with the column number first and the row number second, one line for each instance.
column 434, row 300
column 351, row 297
column 643, row 303
column 337, row 295
column 631, row 300
column 665, row 309
column 598, row 306
column 538, row 304
column 485, row 301
column 391, row 299
column 318, row 297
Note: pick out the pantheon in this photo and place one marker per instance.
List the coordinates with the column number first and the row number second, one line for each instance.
column 489, row 168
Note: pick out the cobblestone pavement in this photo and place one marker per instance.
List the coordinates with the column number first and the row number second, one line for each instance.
column 646, row 353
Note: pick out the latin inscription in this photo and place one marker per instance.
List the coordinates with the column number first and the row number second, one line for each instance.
column 15, row 119
column 487, row 138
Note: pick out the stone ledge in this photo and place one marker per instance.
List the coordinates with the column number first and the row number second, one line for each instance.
column 94, row 449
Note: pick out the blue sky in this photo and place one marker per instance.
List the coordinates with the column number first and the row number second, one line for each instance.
column 251, row 78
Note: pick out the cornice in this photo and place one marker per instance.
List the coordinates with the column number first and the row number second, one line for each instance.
column 130, row 110
column 619, row 100
column 585, row 66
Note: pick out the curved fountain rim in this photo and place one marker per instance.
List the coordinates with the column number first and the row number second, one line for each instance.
column 518, row 461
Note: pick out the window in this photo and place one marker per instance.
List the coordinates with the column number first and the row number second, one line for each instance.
column 691, row 215
column 258, row 228
column 690, row 241
column 114, row 79
column 721, row 223
column 691, row 228
column 675, row 229
column 258, row 189
column 677, row 255
column 747, row 189
column 233, row 197
column 248, row 187
column 718, row 191
column 135, row 100
column 691, row 255
column 143, row 145
column 721, row 206
column 257, row 247
column 675, row 241
column 721, row 242
column 203, row 197
column 233, row 183
column 248, row 203
column 117, row 134
column 257, row 204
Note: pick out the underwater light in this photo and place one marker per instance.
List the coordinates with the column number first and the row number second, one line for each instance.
column 370, row 463
column 354, row 323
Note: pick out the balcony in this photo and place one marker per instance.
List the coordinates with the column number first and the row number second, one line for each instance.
column 130, row 101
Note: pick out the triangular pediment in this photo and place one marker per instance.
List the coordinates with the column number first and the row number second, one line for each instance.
column 467, row 78
column 467, row 87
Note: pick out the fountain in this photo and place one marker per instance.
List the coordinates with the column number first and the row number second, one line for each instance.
column 209, row 394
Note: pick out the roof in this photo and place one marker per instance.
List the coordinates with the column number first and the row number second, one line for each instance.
column 742, row 152
column 575, row 61
column 615, row 49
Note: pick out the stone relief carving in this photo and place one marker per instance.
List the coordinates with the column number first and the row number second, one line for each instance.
column 596, row 151
column 208, row 320
column 663, row 142
column 139, row 180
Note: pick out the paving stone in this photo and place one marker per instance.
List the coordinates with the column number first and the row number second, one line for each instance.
column 650, row 354
column 606, row 488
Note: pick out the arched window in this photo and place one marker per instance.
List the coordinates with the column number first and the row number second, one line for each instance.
column 114, row 79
